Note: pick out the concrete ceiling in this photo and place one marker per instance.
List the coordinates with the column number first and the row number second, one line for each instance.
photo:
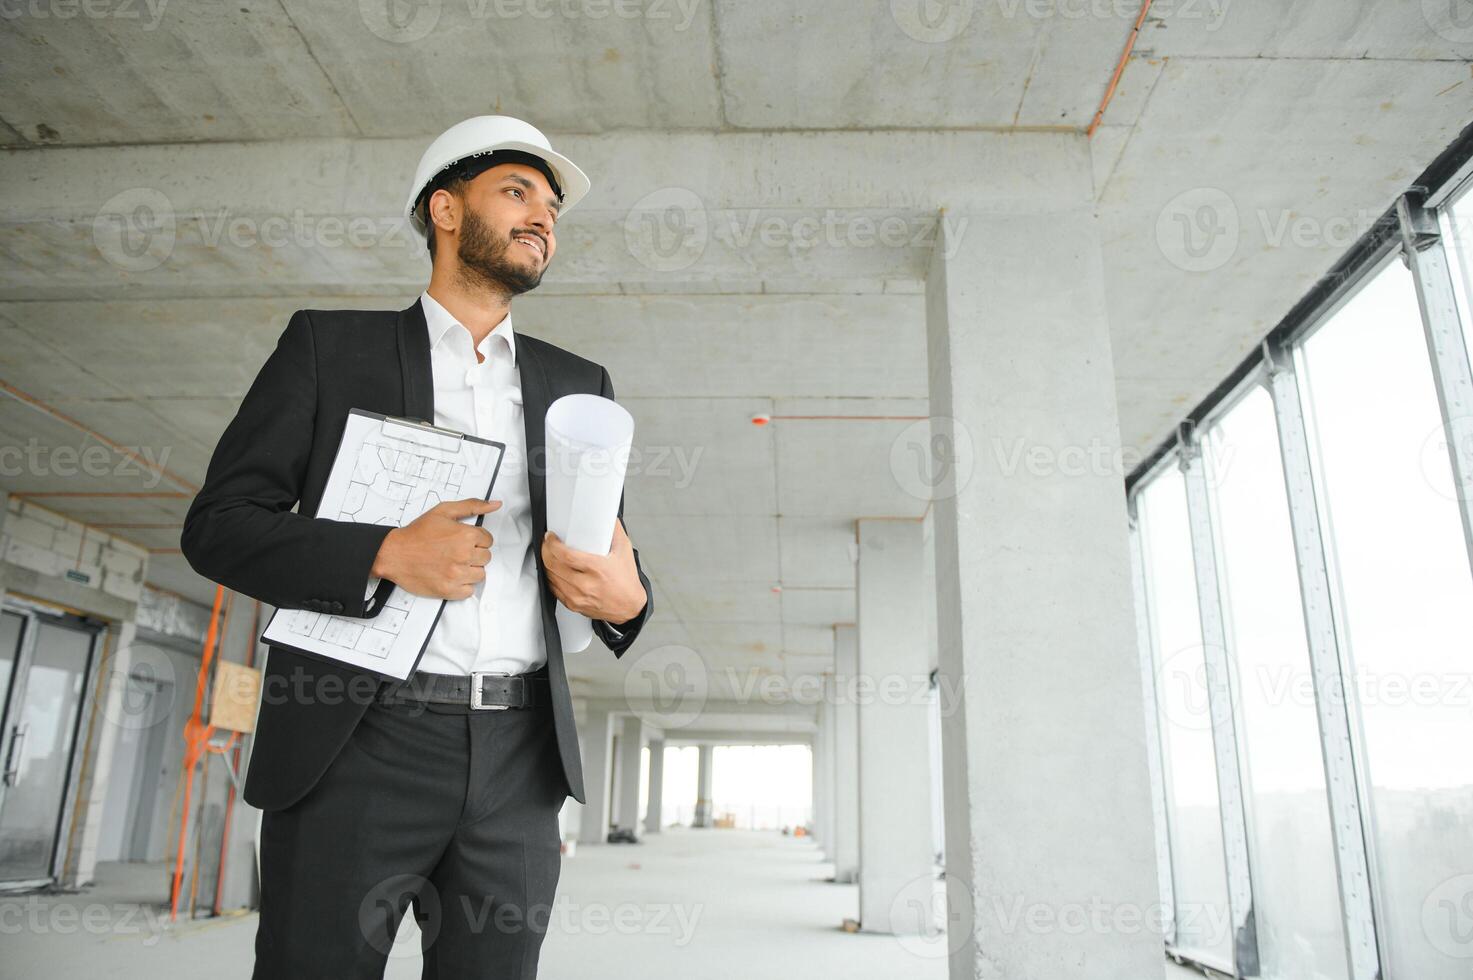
column 1295, row 123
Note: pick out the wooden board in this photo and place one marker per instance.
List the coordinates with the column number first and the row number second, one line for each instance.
column 237, row 689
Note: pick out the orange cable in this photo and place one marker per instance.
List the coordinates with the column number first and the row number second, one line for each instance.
column 196, row 734
column 1135, row 32
column 60, row 416
column 234, row 764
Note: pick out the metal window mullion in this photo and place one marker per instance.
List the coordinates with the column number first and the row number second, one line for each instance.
column 1342, row 781
column 1154, row 758
column 1231, row 803
column 1427, row 258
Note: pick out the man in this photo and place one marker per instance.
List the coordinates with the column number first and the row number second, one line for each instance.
column 444, row 790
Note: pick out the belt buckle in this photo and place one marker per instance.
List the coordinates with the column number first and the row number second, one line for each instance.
column 477, row 704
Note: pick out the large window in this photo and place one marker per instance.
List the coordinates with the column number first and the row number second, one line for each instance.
column 1457, row 229
column 1199, row 876
column 1292, row 856
column 1329, row 468
column 1404, row 600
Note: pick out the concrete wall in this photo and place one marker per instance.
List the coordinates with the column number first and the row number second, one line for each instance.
column 48, row 546
column 57, row 561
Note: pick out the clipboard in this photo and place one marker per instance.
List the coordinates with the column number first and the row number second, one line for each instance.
column 388, row 471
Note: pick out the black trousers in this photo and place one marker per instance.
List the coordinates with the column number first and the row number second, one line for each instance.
column 451, row 810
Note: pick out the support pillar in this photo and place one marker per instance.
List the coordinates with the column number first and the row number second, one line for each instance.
column 1047, row 788
column 703, row 787
column 631, row 741
column 822, row 824
column 598, row 738
column 655, row 798
column 846, row 755
column 895, row 855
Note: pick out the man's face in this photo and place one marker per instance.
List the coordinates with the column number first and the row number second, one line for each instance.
column 507, row 237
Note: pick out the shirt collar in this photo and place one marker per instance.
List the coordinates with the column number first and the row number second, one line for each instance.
column 439, row 321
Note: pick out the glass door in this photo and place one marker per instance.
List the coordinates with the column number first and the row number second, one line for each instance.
column 46, row 661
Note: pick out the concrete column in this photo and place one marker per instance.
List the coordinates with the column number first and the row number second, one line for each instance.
column 631, row 741
column 570, row 815
column 895, row 856
column 823, row 774
column 655, row 799
column 597, row 738
column 827, row 783
column 846, row 754
column 703, row 787
column 1046, row 784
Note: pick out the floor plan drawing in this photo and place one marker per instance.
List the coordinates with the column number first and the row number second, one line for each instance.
column 394, row 481
column 388, row 472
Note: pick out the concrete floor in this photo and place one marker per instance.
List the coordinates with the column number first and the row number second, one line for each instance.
column 709, row 904
column 758, row 901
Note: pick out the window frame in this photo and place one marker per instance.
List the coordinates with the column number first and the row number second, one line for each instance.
column 1412, row 230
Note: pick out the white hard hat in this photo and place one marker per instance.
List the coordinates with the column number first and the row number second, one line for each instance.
column 480, row 135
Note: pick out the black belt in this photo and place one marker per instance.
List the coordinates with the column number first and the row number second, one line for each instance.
column 479, row 691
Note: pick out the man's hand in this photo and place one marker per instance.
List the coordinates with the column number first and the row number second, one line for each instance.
column 437, row 556
column 605, row 587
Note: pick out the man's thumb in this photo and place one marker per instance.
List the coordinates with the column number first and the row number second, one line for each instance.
column 469, row 507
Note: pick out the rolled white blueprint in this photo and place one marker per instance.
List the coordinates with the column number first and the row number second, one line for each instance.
column 588, row 440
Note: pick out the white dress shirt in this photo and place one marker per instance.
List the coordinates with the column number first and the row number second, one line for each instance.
column 499, row 628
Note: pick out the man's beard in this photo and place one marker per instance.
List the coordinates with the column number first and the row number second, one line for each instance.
column 488, row 264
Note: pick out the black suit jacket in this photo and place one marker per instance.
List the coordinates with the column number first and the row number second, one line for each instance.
column 241, row 530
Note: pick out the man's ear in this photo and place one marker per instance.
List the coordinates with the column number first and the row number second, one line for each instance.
column 443, row 209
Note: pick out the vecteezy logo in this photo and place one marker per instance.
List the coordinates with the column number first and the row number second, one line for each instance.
column 931, row 918
column 134, row 230
column 667, row 230
column 667, row 686
column 1447, row 917
column 932, row 458
column 1435, row 457
column 932, row 21
column 1182, row 689
column 382, row 906
column 399, row 21
column 1198, row 230
column 146, row 691
column 1452, row 20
